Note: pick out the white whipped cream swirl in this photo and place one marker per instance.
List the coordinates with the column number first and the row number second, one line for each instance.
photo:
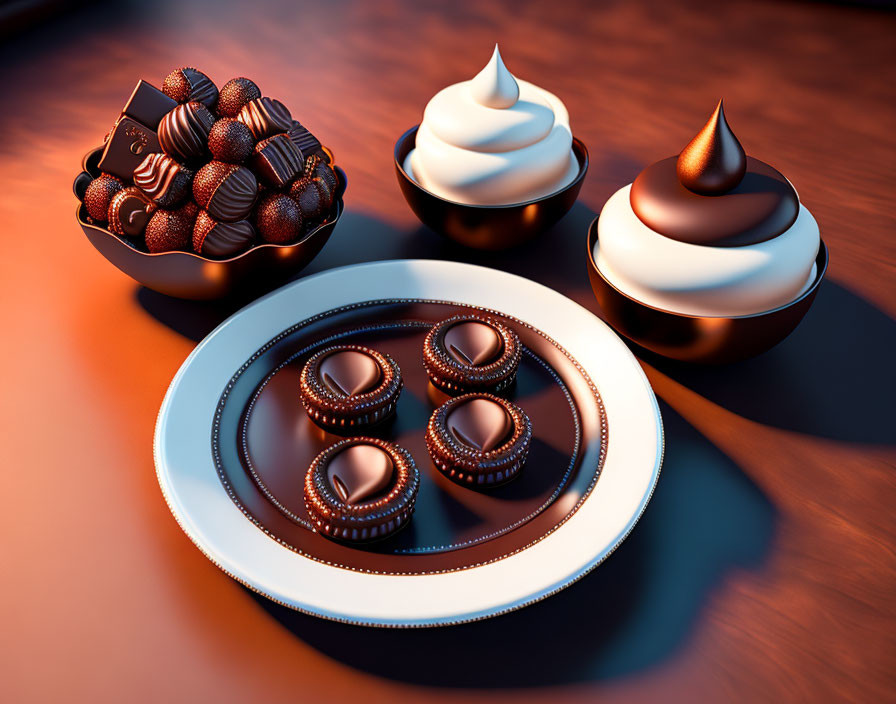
column 493, row 140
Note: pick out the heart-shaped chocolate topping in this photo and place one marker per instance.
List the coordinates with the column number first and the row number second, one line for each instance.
column 349, row 372
column 360, row 472
column 480, row 423
column 473, row 343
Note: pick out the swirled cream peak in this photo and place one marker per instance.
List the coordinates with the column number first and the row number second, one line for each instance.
column 494, row 86
column 493, row 140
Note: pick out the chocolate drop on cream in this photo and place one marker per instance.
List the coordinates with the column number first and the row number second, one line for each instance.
column 480, row 423
column 349, row 372
column 473, row 343
column 713, row 162
column 360, row 472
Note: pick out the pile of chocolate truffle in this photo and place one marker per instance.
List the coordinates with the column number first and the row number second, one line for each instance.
column 365, row 488
column 190, row 167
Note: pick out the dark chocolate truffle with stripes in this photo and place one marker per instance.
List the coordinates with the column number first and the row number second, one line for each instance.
column 165, row 181
column 187, row 83
column 183, row 132
column 226, row 191
column 220, row 240
column 277, row 161
column 265, row 117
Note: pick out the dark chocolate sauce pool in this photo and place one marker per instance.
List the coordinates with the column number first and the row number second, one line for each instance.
column 265, row 443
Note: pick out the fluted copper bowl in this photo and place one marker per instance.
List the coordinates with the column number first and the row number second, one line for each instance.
column 188, row 275
column 486, row 226
column 693, row 338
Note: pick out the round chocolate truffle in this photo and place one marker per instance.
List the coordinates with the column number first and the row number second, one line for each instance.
column 326, row 174
column 171, row 230
column 99, row 194
column 221, row 240
column 479, row 440
column 235, row 94
column 348, row 387
column 186, row 84
column 361, row 489
column 265, row 117
column 129, row 212
column 165, row 181
column 231, row 141
column 471, row 353
column 183, row 132
column 278, row 219
column 306, row 192
column 226, row 191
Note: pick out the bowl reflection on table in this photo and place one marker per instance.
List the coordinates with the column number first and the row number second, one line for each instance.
column 486, row 226
column 188, row 275
column 693, row 338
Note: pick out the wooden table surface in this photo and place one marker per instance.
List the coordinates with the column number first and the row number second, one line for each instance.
column 763, row 568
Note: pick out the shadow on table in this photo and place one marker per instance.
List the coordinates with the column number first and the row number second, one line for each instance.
column 834, row 377
column 555, row 259
column 636, row 610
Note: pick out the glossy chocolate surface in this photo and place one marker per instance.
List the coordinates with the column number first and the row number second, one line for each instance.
column 480, row 424
column 148, row 105
column 473, row 343
column 360, row 473
column 127, row 147
column 713, row 162
column 350, row 372
column 265, row 435
column 760, row 207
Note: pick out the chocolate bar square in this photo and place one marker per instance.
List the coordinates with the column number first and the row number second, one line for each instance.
column 127, row 147
column 148, row 105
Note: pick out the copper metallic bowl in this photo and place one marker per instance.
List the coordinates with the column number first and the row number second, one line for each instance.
column 691, row 338
column 486, row 226
column 188, row 275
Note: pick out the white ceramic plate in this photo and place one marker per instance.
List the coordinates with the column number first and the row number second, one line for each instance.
column 189, row 479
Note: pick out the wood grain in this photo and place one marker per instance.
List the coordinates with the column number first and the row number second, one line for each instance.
column 764, row 568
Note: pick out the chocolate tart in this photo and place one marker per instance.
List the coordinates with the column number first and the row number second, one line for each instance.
column 479, row 440
column 467, row 353
column 361, row 489
column 349, row 387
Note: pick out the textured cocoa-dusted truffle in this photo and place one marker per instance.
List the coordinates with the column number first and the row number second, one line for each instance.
column 278, row 219
column 361, row 489
column 235, row 94
column 348, row 387
column 265, row 117
column 471, row 353
column 277, row 161
column 183, row 132
column 226, row 191
column 129, row 211
column 165, row 181
column 187, row 83
column 171, row 230
column 220, row 240
column 99, row 194
column 231, row 141
column 306, row 192
column 479, row 440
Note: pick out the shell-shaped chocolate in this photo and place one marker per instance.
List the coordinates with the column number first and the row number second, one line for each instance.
column 226, row 191
column 277, row 161
column 183, row 132
column 165, row 181
column 220, row 240
column 265, row 117
column 129, row 212
column 188, row 83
